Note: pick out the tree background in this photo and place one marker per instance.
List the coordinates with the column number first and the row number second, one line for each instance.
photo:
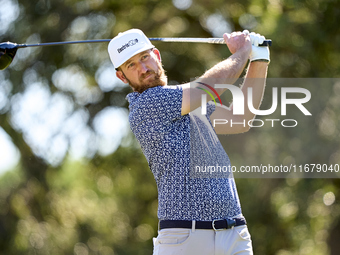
column 82, row 185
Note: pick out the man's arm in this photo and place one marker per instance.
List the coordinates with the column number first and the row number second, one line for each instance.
column 255, row 78
column 224, row 72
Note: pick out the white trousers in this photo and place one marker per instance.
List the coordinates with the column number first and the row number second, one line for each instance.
column 179, row 241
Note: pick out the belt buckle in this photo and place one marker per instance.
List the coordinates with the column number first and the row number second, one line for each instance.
column 230, row 224
column 213, row 226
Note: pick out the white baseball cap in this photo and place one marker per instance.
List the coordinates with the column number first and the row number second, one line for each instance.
column 127, row 44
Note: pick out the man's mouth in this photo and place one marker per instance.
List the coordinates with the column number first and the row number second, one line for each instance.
column 147, row 75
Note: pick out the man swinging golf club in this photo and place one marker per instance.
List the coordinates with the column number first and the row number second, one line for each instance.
column 199, row 216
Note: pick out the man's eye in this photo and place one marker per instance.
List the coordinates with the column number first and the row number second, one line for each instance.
column 145, row 57
column 131, row 65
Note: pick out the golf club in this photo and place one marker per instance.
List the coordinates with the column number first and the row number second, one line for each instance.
column 9, row 49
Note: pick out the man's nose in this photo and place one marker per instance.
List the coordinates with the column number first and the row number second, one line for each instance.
column 143, row 68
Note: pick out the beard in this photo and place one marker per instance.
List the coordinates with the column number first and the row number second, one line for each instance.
column 159, row 79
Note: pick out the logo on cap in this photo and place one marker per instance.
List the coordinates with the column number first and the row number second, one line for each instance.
column 128, row 44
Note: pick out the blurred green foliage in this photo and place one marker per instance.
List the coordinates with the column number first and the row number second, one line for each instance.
column 107, row 203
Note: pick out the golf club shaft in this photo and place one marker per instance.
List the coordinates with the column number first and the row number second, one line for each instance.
column 201, row 40
column 183, row 39
column 61, row 43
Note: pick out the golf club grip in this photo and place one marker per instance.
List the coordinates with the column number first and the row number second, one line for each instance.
column 267, row 42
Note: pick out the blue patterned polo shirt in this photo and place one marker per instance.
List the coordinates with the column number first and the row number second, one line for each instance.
column 174, row 146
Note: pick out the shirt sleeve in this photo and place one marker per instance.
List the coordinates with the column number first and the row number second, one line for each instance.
column 164, row 103
column 210, row 108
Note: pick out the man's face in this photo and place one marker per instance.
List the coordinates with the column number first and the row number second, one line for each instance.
column 143, row 71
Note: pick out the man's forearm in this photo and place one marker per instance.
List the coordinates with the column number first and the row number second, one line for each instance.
column 256, row 79
column 227, row 71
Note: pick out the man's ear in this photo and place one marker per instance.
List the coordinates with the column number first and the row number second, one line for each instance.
column 120, row 75
column 157, row 53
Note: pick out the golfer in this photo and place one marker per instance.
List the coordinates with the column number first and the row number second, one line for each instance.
column 198, row 216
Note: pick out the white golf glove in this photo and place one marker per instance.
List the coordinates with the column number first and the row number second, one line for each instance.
column 258, row 52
